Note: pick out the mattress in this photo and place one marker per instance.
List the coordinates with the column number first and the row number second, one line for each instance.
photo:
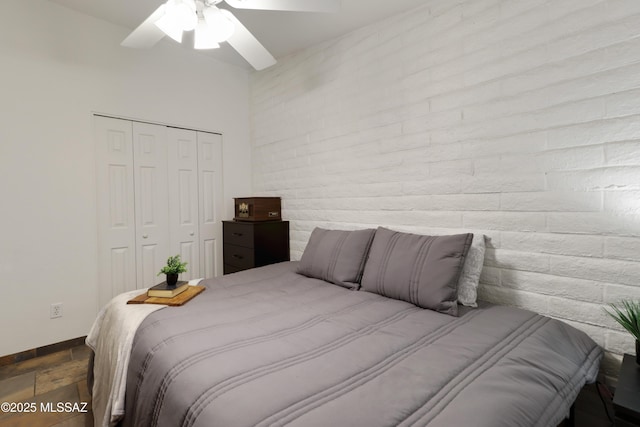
column 269, row 347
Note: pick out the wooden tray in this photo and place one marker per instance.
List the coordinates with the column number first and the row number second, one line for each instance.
column 178, row 300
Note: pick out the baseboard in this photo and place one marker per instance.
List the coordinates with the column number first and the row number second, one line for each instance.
column 41, row 351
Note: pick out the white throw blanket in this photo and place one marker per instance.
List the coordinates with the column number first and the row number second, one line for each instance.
column 111, row 339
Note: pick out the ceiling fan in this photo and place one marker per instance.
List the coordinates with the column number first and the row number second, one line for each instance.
column 212, row 25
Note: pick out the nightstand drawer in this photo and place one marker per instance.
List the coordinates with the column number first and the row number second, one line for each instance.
column 239, row 256
column 238, row 234
column 228, row 269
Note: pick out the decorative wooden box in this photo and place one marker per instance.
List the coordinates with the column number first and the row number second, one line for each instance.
column 257, row 209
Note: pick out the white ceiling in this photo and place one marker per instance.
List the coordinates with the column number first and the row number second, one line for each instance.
column 282, row 33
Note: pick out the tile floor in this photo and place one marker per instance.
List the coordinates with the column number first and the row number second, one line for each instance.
column 42, row 383
column 61, row 377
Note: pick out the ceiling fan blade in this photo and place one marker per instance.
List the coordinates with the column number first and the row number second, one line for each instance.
column 288, row 5
column 247, row 45
column 147, row 34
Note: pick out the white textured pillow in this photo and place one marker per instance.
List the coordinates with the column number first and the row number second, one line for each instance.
column 470, row 276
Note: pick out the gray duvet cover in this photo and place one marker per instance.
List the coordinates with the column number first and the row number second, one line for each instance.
column 269, row 347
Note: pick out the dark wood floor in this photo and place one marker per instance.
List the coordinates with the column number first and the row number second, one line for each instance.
column 42, row 383
column 61, row 377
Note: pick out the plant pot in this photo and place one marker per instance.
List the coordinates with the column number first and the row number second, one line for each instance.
column 172, row 279
column 637, row 352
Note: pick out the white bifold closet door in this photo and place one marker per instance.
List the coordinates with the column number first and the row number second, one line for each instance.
column 116, row 212
column 211, row 201
column 151, row 201
column 195, row 178
column 159, row 194
column 183, row 184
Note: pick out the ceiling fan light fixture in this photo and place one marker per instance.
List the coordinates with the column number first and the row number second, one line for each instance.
column 170, row 27
column 220, row 27
column 185, row 14
column 179, row 16
column 204, row 37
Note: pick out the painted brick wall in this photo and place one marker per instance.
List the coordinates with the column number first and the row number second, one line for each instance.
column 516, row 119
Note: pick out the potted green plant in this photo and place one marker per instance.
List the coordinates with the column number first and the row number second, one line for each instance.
column 628, row 316
column 174, row 267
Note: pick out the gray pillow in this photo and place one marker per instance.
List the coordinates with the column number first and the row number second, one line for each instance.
column 336, row 256
column 470, row 276
column 423, row 270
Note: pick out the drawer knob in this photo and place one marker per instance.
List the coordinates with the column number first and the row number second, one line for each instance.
column 237, row 234
column 236, row 256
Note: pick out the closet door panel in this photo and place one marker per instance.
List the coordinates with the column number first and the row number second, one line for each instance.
column 183, row 199
column 115, row 203
column 210, row 202
column 150, row 259
column 211, row 268
column 151, row 201
column 122, row 279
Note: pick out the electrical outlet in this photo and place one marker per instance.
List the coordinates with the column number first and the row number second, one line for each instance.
column 56, row 310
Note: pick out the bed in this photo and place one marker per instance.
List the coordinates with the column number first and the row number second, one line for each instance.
column 348, row 336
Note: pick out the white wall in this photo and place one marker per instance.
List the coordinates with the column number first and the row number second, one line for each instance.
column 56, row 68
column 519, row 119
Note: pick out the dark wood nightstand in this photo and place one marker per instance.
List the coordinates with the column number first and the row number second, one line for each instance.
column 626, row 401
column 254, row 244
